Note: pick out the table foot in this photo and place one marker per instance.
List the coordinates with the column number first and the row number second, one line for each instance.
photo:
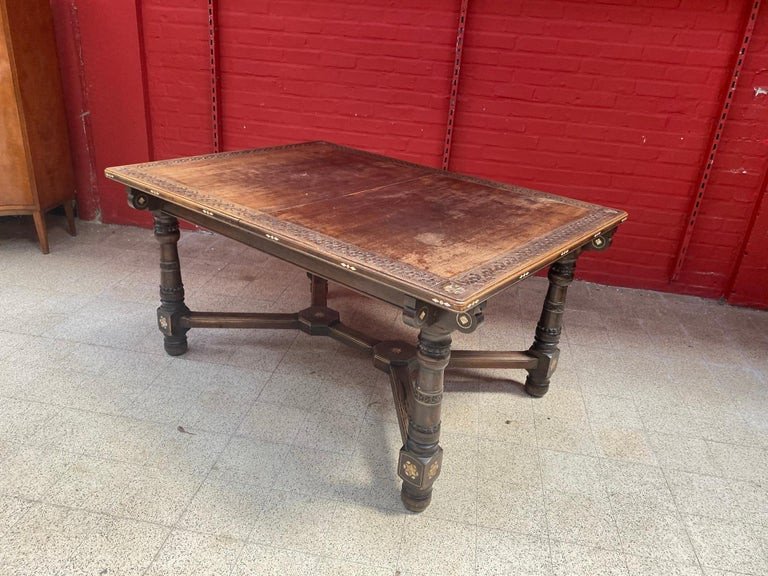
column 415, row 502
column 535, row 390
column 548, row 330
column 175, row 345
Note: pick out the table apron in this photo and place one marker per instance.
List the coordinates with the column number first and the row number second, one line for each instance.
column 312, row 264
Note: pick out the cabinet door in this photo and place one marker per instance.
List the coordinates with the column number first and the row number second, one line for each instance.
column 14, row 177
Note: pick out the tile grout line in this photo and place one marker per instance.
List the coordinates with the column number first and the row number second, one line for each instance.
column 614, row 519
column 678, row 512
column 544, row 494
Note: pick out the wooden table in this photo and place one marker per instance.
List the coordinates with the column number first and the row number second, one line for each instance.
column 435, row 244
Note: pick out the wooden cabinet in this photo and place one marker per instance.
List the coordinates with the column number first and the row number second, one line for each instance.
column 35, row 164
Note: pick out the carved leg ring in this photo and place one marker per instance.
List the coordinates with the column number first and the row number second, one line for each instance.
column 550, row 326
column 421, row 457
column 171, row 289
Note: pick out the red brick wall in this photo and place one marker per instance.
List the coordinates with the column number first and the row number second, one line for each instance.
column 359, row 74
column 100, row 56
column 612, row 102
column 750, row 284
column 178, row 78
column 608, row 103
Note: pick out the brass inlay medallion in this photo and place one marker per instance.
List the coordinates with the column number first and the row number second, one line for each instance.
column 410, row 470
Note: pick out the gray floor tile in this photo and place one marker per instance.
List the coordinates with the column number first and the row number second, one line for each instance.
column 651, row 567
column 620, row 443
column 157, row 496
column 652, row 533
column 19, row 419
column 117, row 546
column 562, row 403
column 709, row 496
column 454, row 544
column 501, row 553
column 248, row 461
column 42, row 541
column 629, row 482
column 681, row 453
column 93, row 484
column 30, row 472
column 226, row 510
column 455, row 498
column 507, row 425
column 334, row 567
column 330, row 431
column 366, row 535
column 187, row 450
column 647, row 455
column 371, row 480
column 268, row 561
column 272, row 422
column 612, row 412
column 11, row 511
column 576, row 560
column 517, row 463
column 748, row 463
column 511, row 508
column 192, row 553
column 565, row 435
column 726, row 545
column 581, row 519
column 571, row 473
column 284, row 512
column 292, row 391
column 99, row 435
column 312, row 472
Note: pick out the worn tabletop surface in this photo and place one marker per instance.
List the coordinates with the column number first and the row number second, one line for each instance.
column 452, row 237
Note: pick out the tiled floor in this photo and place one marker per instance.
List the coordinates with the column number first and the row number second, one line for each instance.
column 273, row 453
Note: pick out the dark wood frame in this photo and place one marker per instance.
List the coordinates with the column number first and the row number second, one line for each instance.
column 416, row 372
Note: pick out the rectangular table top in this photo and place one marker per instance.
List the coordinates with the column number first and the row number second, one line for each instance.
column 435, row 235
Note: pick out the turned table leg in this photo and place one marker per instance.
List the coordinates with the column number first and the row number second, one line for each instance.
column 550, row 326
column 319, row 289
column 171, row 288
column 421, row 457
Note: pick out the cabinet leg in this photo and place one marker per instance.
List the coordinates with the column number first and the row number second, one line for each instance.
column 421, row 458
column 545, row 344
column 171, row 288
column 42, row 231
column 69, row 210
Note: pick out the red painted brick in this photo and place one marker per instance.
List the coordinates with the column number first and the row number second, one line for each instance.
column 611, row 101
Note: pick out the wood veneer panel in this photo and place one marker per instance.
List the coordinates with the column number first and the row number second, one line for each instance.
column 33, row 47
column 14, row 180
column 436, row 223
column 288, row 177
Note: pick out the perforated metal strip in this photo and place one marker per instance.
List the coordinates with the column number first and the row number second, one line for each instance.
column 455, row 84
column 213, row 25
column 706, row 171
